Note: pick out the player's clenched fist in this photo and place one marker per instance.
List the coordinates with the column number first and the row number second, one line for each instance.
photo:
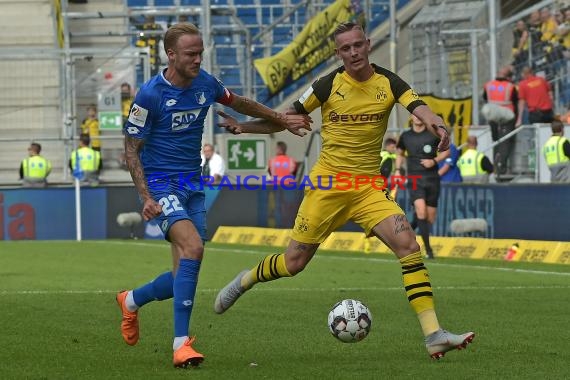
column 151, row 209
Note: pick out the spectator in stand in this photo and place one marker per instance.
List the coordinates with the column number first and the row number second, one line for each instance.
column 548, row 25
column 563, row 35
column 535, row 92
column 556, row 151
column 85, row 162
column 126, row 100
column 501, row 93
column 534, row 27
column 147, row 38
column 474, row 166
column 90, row 127
column 520, row 43
column 213, row 165
column 447, row 169
column 559, row 18
column 535, row 36
column 563, row 31
column 35, row 168
column 282, row 165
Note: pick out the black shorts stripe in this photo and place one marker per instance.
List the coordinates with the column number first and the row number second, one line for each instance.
column 418, row 285
column 419, row 294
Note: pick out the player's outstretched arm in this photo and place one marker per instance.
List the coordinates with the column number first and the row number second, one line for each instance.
column 297, row 124
column 434, row 124
column 133, row 146
column 278, row 121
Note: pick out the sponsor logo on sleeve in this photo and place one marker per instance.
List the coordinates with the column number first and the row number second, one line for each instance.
column 138, row 115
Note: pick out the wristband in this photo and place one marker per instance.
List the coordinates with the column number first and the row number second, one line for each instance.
column 442, row 127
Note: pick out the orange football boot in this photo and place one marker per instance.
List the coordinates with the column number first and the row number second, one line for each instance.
column 130, row 322
column 187, row 355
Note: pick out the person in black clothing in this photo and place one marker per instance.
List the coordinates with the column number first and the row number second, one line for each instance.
column 422, row 158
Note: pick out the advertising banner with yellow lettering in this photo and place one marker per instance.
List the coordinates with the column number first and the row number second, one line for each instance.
column 537, row 251
column 312, row 46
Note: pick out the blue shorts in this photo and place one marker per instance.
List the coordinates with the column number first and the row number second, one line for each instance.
column 180, row 200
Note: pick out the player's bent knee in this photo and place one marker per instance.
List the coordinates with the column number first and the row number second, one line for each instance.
column 407, row 248
column 196, row 252
column 297, row 265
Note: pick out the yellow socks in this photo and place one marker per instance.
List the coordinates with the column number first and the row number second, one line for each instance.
column 270, row 268
column 419, row 292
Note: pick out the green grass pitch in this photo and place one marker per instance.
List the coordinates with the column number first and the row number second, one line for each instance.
column 59, row 319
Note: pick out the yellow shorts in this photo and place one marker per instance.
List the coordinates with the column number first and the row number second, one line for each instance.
column 325, row 210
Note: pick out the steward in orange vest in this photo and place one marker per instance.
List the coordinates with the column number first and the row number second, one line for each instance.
column 282, row 165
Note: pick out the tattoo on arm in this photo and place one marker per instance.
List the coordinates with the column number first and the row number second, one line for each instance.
column 132, row 149
column 252, row 108
column 401, row 224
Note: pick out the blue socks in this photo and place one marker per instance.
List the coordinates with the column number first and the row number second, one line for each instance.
column 161, row 288
column 182, row 288
column 185, row 284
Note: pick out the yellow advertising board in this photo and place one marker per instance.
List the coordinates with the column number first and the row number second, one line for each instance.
column 457, row 247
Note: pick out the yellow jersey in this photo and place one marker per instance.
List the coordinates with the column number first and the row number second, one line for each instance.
column 91, row 127
column 354, row 118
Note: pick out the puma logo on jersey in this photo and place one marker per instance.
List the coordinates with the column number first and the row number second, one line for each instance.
column 339, row 94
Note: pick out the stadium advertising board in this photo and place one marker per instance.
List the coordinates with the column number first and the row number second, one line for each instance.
column 510, row 211
column 49, row 214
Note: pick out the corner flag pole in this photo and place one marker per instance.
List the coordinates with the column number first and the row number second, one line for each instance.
column 77, row 210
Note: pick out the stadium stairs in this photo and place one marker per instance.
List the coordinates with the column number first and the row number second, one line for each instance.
column 29, row 85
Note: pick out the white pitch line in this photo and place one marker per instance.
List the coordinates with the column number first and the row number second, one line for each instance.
column 277, row 289
column 368, row 259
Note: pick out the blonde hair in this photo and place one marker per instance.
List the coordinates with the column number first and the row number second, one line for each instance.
column 346, row 27
column 175, row 31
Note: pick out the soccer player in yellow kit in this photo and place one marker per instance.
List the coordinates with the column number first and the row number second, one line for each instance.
column 355, row 101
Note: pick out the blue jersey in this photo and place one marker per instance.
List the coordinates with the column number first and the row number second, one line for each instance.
column 453, row 174
column 170, row 120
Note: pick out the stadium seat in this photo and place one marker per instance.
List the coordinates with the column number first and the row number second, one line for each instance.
column 231, row 77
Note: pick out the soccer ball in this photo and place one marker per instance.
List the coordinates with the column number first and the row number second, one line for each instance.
column 350, row 321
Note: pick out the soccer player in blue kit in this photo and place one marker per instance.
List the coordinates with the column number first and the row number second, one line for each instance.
column 163, row 139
